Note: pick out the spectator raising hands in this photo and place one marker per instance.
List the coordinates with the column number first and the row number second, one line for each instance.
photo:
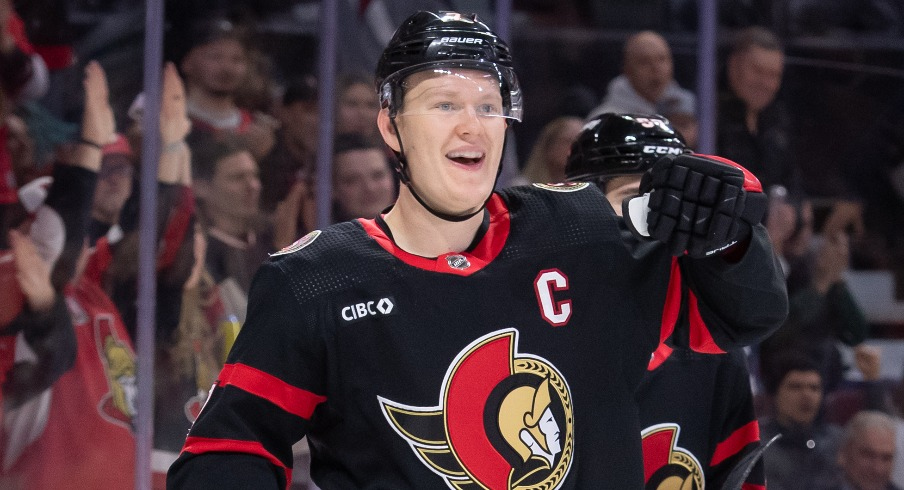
column 98, row 124
column 299, row 207
column 32, row 273
column 175, row 157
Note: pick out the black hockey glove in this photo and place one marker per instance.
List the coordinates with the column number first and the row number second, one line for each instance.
column 696, row 204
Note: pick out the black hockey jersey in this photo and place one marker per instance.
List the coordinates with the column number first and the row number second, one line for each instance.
column 698, row 420
column 511, row 365
column 696, row 404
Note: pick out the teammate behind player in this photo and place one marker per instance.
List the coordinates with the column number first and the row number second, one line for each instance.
column 463, row 339
column 696, row 409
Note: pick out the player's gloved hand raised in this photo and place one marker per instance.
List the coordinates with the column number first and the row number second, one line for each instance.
column 696, row 204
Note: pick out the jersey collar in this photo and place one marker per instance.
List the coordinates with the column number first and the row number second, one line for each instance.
column 457, row 263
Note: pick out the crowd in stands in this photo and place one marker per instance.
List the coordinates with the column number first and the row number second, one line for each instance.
column 237, row 181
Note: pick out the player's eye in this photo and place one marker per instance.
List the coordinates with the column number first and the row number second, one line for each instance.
column 489, row 110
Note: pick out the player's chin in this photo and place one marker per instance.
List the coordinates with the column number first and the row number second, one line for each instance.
column 468, row 201
column 465, row 180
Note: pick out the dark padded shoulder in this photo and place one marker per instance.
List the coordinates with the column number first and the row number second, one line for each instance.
column 319, row 242
column 339, row 257
column 551, row 218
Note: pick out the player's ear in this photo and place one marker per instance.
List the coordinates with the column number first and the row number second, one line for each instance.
column 387, row 130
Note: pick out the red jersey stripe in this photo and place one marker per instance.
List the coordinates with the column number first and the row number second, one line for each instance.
column 489, row 247
column 738, row 440
column 291, row 399
column 700, row 338
column 201, row 445
column 660, row 355
column 670, row 312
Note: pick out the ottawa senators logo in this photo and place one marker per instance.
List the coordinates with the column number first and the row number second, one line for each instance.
column 504, row 420
column 665, row 465
column 118, row 358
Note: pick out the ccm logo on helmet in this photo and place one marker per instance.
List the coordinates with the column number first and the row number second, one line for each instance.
column 359, row 311
column 662, row 150
column 461, row 40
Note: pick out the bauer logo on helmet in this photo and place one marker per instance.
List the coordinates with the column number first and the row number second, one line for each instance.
column 461, row 40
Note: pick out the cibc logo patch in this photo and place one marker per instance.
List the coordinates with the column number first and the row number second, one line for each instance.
column 367, row 309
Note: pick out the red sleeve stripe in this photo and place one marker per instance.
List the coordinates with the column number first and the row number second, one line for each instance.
column 660, row 355
column 738, row 440
column 201, row 445
column 670, row 311
column 700, row 338
column 752, row 486
column 287, row 397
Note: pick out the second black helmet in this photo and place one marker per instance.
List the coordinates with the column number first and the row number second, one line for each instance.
column 622, row 144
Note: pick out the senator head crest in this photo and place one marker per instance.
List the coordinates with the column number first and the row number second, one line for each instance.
column 667, row 466
column 504, row 420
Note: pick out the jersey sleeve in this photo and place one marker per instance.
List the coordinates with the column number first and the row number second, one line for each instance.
column 265, row 396
column 52, row 338
column 737, row 433
column 735, row 303
column 70, row 196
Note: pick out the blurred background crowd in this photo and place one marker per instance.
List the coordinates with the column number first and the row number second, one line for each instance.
column 810, row 98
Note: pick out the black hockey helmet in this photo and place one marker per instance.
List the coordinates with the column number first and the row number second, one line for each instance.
column 621, row 144
column 445, row 40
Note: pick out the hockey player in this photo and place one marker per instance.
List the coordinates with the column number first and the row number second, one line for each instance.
column 470, row 338
column 696, row 410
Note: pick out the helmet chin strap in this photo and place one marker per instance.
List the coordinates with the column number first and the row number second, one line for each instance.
column 406, row 179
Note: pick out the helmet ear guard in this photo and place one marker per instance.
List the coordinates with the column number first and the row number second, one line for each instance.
column 611, row 145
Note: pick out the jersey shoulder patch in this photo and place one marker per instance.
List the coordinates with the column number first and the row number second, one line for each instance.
column 563, row 186
column 299, row 244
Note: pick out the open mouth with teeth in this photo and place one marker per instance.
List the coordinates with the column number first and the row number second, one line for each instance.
column 466, row 157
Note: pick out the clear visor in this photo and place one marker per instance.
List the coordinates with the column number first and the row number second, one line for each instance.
column 451, row 90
